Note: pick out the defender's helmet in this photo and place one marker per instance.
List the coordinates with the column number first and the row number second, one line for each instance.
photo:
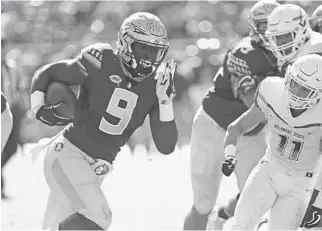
column 257, row 21
column 142, row 45
column 287, row 31
column 303, row 81
column 316, row 19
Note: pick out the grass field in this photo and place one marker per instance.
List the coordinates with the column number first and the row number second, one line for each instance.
column 143, row 193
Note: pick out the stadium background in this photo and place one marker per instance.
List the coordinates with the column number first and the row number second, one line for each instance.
column 38, row 32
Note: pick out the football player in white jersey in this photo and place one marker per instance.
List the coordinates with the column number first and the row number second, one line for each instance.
column 316, row 20
column 290, row 35
column 284, row 179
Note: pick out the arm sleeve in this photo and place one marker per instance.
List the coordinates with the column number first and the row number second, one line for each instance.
column 72, row 71
column 68, row 72
column 164, row 134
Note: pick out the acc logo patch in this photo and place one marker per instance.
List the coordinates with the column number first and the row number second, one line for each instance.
column 115, row 79
column 58, row 146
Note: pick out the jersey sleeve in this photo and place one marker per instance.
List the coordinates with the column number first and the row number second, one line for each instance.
column 164, row 134
column 251, row 64
column 91, row 57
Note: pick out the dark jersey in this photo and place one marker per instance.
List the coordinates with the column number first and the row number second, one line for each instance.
column 110, row 108
column 223, row 101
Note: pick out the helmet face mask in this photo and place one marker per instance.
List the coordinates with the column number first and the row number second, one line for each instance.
column 283, row 43
column 142, row 45
column 303, row 82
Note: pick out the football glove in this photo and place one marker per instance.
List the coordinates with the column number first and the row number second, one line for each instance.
column 312, row 217
column 48, row 115
column 165, row 88
column 245, row 84
column 229, row 165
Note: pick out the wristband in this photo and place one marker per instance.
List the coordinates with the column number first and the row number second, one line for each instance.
column 166, row 112
column 37, row 99
column 230, row 150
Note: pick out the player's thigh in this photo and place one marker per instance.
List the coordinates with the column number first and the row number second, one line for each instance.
column 206, row 144
column 206, row 159
column 255, row 200
column 55, row 212
column 291, row 206
column 250, row 149
column 6, row 127
column 73, row 182
column 287, row 213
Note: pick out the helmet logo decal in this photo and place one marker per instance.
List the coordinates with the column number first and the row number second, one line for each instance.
column 155, row 28
column 312, row 71
column 139, row 29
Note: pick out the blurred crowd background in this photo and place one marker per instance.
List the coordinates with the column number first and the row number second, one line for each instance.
column 35, row 33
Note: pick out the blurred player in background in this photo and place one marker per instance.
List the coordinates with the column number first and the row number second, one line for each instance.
column 235, row 84
column 6, row 127
column 284, row 179
column 12, row 85
column 316, row 20
column 119, row 88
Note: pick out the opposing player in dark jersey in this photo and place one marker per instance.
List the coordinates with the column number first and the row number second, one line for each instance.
column 233, row 92
column 118, row 90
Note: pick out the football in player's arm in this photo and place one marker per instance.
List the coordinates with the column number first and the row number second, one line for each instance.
column 74, row 72
column 118, row 89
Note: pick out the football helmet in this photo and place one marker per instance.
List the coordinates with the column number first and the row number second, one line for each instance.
column 316, row 19
column 142, row 44
column 287, row 31
column 303, row 81
column 257, row 21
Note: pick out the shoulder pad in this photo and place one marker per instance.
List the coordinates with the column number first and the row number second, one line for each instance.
column 94, row 53
column 269, row 85
column 252, row 60
column 316, row 43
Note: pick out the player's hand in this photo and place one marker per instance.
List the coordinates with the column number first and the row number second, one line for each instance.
column 228, row 165
column 47, row 114
column 165, row 88
column 312, row 217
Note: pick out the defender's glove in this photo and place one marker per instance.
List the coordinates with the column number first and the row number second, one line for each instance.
column 48, row 115
column 165, row 88
column 229, row 165
column 312, row 217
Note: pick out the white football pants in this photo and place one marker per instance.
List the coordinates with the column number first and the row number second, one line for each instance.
column 74, row 187
column 207, row 156
column 271, row 186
